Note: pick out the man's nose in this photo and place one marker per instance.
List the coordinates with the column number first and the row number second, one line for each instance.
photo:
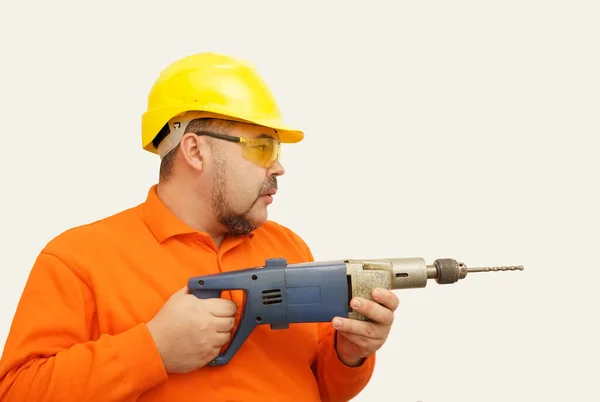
column 276, row 170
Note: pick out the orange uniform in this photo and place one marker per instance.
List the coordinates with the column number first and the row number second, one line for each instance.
column 79, row 332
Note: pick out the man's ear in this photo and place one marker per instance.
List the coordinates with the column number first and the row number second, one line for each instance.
column 192, row 151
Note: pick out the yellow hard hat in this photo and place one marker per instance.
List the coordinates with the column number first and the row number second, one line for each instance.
column 217, row 86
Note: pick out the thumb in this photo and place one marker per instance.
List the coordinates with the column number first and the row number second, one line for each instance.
column 182, row 292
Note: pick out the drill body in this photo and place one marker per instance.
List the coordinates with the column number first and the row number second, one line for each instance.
column 279, row 294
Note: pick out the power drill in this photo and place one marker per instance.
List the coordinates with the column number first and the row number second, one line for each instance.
column 278, row 294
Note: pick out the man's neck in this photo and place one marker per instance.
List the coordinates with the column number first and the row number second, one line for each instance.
column 184, row 203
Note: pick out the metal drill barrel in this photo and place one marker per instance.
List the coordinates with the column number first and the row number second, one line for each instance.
column 405, row 273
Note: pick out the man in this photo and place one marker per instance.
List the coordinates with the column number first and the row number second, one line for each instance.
column 106, row 315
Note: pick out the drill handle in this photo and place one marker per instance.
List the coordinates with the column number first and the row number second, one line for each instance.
column 256, row 310
column 211, row 287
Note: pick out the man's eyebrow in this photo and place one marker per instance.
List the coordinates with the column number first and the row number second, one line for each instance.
column 263, row 135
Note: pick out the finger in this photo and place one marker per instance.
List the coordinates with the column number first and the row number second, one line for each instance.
column 359, row 340
column 224, row 324
column 216, row 351
column 375, row 311
column 365, row 329
column 386, row 297
column 221, row 307
column 222, row 338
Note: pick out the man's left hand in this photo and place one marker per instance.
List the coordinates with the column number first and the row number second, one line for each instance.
column 357, row 340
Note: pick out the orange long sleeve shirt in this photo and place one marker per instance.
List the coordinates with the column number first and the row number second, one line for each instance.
column 79, row 331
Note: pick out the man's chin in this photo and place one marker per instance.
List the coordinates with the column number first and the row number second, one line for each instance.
column 259, row 214
column 244, row 225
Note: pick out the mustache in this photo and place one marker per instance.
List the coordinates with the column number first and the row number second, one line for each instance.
column 269, row 186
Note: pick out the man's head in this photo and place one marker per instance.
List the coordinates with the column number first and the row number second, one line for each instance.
column 226, row 176
column 236, row 180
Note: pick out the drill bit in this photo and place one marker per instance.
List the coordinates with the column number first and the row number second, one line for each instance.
column 488, row 269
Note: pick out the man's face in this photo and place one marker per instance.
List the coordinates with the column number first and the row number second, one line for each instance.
column 242, row 189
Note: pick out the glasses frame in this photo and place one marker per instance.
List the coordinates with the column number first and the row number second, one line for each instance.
column 246, row 141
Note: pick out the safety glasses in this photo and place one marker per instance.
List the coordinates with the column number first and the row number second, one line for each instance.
column 263, row 151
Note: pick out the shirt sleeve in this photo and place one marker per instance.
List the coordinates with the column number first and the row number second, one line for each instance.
column 53, row 354
column 337, row 382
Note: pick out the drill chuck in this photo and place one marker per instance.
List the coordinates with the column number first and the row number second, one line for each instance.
column 446, row 270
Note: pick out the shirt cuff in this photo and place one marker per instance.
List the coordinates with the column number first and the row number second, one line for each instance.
column 349, row 374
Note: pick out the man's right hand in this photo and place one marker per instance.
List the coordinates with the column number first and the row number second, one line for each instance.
column 189, row 332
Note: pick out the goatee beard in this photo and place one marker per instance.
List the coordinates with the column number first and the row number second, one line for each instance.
column 237, row 224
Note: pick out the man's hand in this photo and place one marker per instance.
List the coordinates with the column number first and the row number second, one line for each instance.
column 189, row 332
column 357, row 340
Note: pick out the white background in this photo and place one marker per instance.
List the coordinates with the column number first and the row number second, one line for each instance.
column 459, row 129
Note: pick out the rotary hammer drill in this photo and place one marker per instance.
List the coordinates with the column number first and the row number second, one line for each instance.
column 278, row 294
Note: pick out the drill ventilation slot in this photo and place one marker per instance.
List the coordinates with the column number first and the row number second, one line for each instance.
column 271, row 296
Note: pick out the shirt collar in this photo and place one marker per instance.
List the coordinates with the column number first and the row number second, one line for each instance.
column 164, row 224
column 160, row 220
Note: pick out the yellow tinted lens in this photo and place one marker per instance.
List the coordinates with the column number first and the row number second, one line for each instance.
column 263, row 151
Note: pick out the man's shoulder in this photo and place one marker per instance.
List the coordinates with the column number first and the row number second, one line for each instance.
column 95, row 234
column 276, row 232
column 278, row 229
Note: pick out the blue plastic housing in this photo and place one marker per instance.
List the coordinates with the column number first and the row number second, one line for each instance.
column 279, row 294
